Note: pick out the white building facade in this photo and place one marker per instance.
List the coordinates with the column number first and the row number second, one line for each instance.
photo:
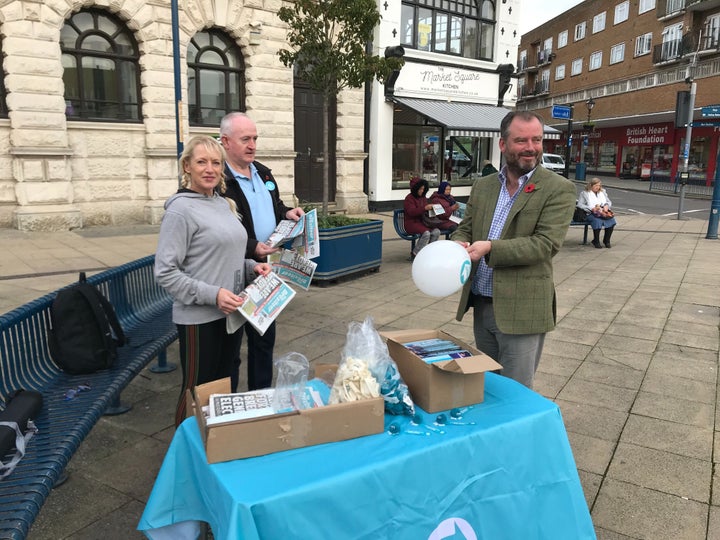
column 88, row 108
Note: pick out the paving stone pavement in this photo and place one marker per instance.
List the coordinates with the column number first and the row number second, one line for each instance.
column 632, row 364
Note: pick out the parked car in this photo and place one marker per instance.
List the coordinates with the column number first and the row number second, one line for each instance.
column 554, row 162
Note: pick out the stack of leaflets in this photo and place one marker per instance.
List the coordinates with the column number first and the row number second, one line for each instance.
column 437, row 350
column 229, row 407
column 295, row 264
column 257, row 403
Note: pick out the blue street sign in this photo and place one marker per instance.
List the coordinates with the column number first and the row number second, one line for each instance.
column 706, row 123
column 561, row 112
column 711, row 111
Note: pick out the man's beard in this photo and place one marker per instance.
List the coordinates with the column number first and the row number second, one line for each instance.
column 513, row 163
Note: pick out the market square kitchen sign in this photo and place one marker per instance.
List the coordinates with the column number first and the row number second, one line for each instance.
column 441, row 82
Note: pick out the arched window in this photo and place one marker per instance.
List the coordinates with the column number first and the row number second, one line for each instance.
column 216, row 78
column 100, row 62
column 457, row 27
column 3, row 103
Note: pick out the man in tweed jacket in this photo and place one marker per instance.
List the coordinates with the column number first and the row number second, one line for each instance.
column 514, row 224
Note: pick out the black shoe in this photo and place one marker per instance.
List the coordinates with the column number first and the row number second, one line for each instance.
column 597, row 244
column 608, row 245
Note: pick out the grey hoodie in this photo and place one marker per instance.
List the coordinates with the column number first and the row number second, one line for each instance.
column 201, row 248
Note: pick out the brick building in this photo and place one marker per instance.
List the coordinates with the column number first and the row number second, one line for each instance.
column 628, row 60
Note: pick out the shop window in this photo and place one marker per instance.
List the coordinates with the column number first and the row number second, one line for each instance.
column 622, row 11
column 458, row 27
column 698, row 157
column 216, row 78
column 100, row 68
column 3, row 103
column 595, row 61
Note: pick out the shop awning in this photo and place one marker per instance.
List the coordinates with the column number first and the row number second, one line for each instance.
column 464, row 119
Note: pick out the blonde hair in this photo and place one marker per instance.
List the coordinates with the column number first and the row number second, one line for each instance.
column 213, row 145
column 592, row 182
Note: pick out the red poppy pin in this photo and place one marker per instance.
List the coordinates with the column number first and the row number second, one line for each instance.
column 529, row 188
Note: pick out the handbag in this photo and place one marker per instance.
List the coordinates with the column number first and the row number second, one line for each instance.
column 580, row 214
column 432, row 222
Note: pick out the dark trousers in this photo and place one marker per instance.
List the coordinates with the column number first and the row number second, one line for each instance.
column 260, row 358
column 207, row 353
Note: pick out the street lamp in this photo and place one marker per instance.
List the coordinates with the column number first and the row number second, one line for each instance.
column 590, row 103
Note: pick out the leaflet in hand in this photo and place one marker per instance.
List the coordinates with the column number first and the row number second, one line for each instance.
column 303, row 233
column 292, row 266
column 265, row 298
column 436, row 210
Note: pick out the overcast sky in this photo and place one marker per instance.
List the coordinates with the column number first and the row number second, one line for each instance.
column 536, row 12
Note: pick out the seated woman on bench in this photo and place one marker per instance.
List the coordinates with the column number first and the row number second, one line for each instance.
column 594, row 200
column 416, row 204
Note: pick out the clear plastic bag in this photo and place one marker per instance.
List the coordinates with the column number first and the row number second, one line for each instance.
column 292, row 375
column 366, row 354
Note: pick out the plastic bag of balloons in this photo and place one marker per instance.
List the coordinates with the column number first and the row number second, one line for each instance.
column 292, row 377
column 367, row 370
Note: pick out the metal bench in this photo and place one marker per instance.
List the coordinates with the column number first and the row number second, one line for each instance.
column 144, row 311
column 399, row 224
column 584, row 223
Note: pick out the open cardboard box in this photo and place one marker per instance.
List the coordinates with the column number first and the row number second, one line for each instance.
column 268, row 434
column 440, row 385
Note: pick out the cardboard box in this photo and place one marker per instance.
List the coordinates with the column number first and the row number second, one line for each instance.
column 265, row 435
column 440, row 385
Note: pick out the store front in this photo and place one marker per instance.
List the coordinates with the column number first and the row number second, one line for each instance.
column 645, row 151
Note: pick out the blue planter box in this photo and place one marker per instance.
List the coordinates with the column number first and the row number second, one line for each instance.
column 348, row 250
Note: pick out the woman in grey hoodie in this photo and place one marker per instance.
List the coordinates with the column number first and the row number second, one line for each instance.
column 200, row 261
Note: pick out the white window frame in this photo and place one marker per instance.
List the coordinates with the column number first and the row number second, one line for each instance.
column 523, row 56
column 643, row 44
column 599, row 22
column 560, row 72
column 580, row 29
column 713, row 23
column 562, row 39
column 617, row 53
column 622, row 12
column 576, row 68
column 595, row 61
column 645, row 6
column 547, row 45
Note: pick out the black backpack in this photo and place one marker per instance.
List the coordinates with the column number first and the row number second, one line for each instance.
column 84, row 331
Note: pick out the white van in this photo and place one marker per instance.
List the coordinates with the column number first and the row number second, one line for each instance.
column 553, row 162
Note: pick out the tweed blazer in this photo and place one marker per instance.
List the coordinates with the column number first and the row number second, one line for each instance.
column 521, row 259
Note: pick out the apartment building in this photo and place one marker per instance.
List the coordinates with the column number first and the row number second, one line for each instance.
column 623, row 66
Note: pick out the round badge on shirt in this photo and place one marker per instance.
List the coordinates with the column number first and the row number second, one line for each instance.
column 269, row 185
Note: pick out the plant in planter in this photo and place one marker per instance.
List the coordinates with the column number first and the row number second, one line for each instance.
column 328, row 49
column 328, row 40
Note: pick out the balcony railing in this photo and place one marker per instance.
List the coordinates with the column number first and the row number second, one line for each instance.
column 675, row 49
column 710, row 37
column 544, row 57
column 542, row 87
column 523, row 63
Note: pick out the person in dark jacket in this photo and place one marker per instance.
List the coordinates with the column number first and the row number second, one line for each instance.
column 254, row 189
column 488, row 168
column 416, row 204
column 444, row 198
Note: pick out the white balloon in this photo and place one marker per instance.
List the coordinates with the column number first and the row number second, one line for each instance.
column 441, row 268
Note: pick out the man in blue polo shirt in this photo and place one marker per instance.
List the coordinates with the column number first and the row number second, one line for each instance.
column 252, row 186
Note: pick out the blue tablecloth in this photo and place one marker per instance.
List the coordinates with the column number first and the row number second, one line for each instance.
column 504, row 470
